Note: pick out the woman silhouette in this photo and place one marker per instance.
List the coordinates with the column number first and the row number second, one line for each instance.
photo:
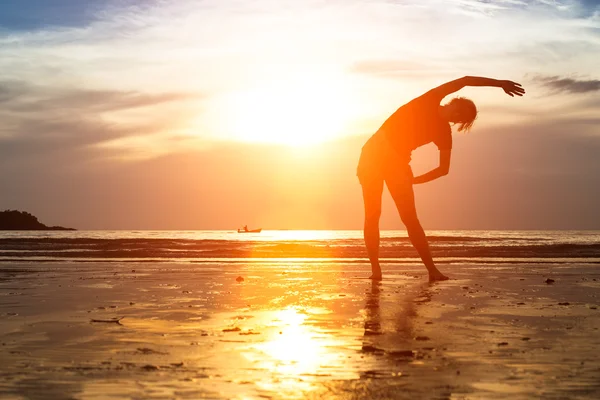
column 385, row 157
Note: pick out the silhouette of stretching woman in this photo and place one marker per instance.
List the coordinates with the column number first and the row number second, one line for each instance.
column 385, row 157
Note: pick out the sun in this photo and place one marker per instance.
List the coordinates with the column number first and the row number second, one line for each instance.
column 295, row 112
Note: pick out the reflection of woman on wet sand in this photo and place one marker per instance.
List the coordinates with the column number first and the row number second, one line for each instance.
column 373, row 317
column 386, row 157
column 398, row 321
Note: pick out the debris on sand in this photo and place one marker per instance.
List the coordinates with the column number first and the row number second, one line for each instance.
column 250, row 332
column 236, row 329
column 239, row 279
column 549, row 281
column 150, row 367
column 116, row 320
column 422, row 338
column 146, row 350
column 373, row 374
column 371, row 349
column 503, row 344
column 402, row 353
column 566, row 303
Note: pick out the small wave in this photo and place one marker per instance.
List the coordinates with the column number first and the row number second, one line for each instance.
column 396, row 247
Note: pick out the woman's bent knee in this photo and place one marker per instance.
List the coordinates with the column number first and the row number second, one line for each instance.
column 410, row 221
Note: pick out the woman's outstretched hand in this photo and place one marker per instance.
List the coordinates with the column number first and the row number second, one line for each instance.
column 511, row 88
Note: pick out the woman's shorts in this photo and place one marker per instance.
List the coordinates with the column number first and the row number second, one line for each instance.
column 379, row 162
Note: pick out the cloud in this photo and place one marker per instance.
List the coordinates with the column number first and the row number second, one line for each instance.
column 36, row 15
column 590, row 5
column 23, row 97
column 49, row 123
column 570, row 85
column 39, row 14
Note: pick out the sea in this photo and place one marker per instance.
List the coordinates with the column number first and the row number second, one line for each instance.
column 447, row 246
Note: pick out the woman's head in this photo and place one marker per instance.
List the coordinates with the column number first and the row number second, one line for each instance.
column 461, row 111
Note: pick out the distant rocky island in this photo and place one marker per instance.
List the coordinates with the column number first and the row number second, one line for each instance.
column 13, row 220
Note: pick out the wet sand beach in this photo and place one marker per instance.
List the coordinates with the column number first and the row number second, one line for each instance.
column 255, row 329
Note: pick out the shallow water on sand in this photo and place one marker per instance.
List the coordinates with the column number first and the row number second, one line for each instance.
column 297, row 330
column 225, row 246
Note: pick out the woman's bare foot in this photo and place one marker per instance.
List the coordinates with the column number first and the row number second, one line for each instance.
column 437, row 276
column 376, row 273
column 376, row 277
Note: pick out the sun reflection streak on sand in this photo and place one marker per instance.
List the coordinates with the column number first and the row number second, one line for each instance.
column 294, row 351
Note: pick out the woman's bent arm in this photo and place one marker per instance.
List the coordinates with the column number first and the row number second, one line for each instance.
column 438, row 172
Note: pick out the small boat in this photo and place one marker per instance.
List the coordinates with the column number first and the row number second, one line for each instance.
column 249, row 230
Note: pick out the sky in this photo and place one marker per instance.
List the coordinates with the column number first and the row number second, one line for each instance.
column 213, row 114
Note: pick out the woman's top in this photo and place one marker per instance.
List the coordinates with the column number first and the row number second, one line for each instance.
column 417, row 123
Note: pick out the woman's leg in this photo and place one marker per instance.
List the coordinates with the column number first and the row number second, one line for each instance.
column 372, row 190
column 402, row 192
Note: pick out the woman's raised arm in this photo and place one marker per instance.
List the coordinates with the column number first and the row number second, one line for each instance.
column 511, row 88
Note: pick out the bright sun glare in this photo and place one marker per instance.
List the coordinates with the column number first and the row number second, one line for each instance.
column 295, row 112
